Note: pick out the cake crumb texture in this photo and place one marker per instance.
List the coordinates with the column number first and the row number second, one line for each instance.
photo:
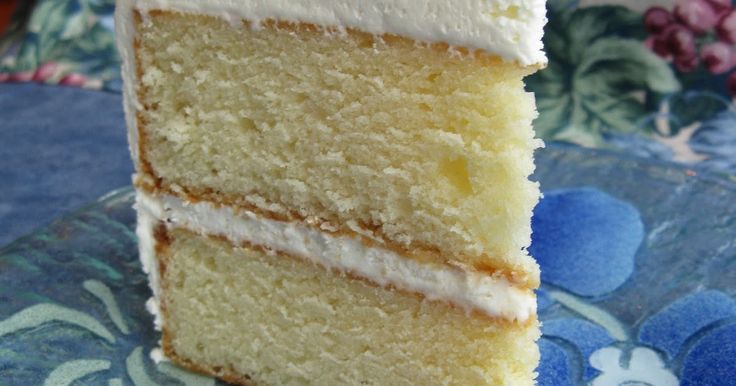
column 247, row 315
column 419, row 146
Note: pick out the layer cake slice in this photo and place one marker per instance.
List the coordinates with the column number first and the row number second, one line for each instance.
column 337, row 192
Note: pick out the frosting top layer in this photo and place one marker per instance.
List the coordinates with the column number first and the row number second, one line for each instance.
column 511, row 29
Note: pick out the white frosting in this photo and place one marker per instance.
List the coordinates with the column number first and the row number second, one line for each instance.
column 511, row 29
column 124, row 33
column 147, row 222
column 157, row 355
column 469, row 289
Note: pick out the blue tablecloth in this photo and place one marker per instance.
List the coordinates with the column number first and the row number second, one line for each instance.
column 60, row 148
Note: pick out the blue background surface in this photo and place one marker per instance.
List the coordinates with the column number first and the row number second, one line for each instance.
column 60, row 148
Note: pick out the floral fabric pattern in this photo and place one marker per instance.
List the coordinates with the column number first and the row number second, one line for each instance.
column 638, row 285
column 652, row 78
column 586, row 242
column 65, row 42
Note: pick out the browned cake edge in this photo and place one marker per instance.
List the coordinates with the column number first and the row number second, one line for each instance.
column 419, row 253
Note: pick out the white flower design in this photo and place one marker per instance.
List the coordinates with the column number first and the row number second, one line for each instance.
column 645, row 368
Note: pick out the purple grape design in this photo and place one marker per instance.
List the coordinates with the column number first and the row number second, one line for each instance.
column 695, row 33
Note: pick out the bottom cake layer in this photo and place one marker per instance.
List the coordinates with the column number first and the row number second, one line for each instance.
column 253, row 317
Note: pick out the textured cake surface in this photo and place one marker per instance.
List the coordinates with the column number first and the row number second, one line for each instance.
column 413, row 146
column 336, row 191
column 284, row 321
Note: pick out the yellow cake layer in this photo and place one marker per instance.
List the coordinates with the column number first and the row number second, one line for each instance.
column 425, row 148
column 270, row 319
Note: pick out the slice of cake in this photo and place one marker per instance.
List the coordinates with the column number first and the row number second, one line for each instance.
column 336, row 191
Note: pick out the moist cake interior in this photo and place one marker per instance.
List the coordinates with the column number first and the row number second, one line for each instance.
column 417, row 147
column 318, row 204
column 285, row 321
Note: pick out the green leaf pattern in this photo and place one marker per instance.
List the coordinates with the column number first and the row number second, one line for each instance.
column 60, row 317
column 598, row 80
column 68, row 42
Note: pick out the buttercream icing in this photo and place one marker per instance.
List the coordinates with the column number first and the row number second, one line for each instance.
column 472, row 290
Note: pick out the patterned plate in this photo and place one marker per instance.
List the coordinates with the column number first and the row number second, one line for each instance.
column 638, row 260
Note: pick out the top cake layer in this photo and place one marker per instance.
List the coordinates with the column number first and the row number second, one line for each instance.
column 510, row 29
column 411, row 146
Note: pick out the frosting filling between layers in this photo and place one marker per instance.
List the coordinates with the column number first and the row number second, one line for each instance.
column 471, row 290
